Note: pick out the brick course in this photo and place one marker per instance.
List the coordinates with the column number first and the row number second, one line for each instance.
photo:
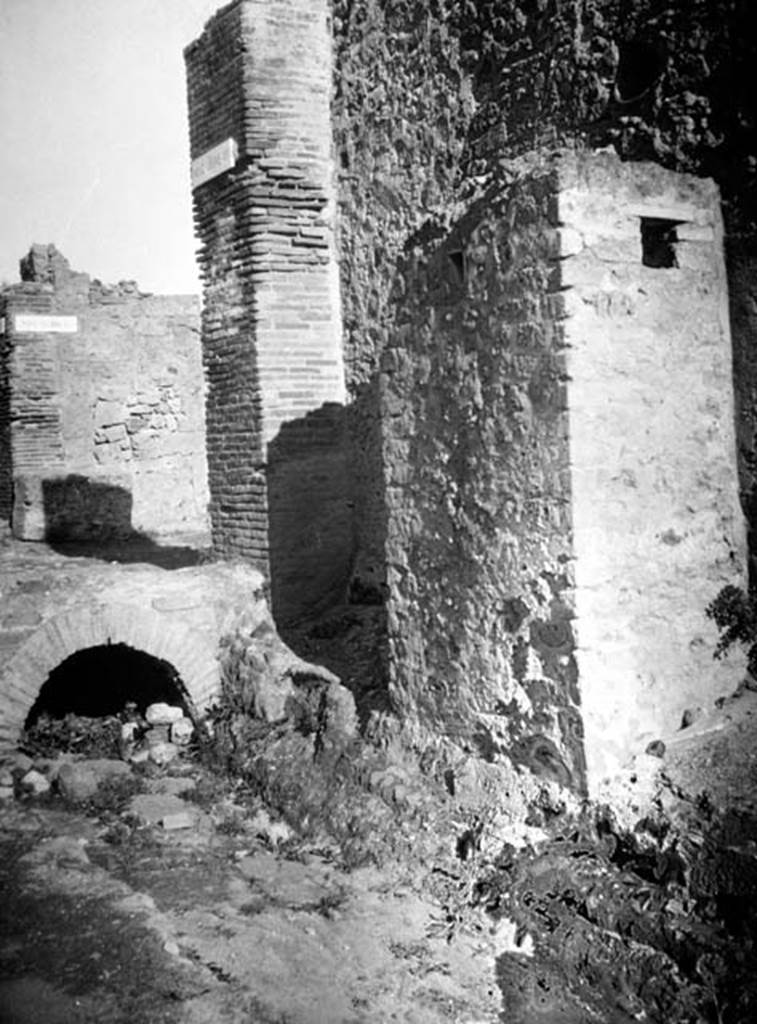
column 261, row 75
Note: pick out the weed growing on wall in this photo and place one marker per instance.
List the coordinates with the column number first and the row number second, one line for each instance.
column 735, row 614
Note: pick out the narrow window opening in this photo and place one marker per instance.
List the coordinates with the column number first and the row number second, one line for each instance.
column 639, row 67
column 457, row 259
column 101, row 681
column 658, row 242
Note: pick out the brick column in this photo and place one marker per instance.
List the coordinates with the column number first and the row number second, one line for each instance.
column 259, row 81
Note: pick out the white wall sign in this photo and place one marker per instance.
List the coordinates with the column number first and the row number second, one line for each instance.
column 217, row 160
column 40, row 323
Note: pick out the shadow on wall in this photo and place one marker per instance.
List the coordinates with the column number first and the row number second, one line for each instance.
column 327, row 597
column 311, row 531
column 741, row 264
column 78, row 516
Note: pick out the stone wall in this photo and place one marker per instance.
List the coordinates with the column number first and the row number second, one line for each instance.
column 658, row 530
column 560, row 468
column 6, row 466
column 106, row 408
column 432, row 100
column 478, row 496
column 259, row 83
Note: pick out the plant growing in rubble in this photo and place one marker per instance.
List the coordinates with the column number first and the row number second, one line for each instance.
column 735, row 614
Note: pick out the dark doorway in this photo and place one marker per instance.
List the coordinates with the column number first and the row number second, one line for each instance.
column 100, row 681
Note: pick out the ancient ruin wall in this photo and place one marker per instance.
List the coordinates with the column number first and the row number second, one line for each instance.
column 431, row 98
column 259, row 82
column 478, row 492
column 6, row 465
column 657, row 525
column 106, row 410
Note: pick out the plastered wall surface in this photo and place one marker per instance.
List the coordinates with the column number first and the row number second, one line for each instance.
column 657, row 525
column 105, row 410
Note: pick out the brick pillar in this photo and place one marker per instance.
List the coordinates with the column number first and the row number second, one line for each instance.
column 259, row 82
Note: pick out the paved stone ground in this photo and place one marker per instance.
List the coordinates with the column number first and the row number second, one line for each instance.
column 109, row 920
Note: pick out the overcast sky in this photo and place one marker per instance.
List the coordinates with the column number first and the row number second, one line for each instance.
column 93, row 126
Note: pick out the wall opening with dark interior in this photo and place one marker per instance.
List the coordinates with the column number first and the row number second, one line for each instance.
column 100, row 681
column 640, row 65
column 659, row 238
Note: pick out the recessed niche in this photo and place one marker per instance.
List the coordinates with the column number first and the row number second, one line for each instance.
column 457, row 261
column 659, row 238
column 639, row 67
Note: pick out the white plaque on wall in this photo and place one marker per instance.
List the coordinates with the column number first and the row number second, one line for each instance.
column 40, row 323
column 217, row 160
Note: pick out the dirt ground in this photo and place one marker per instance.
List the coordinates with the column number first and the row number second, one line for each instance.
column 105, row 921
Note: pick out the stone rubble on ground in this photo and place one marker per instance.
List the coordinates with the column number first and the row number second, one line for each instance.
column 35, row 782
column 80, row 780
column 163, row 714
column 169, row 729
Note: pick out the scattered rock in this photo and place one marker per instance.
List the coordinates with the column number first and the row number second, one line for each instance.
column 80, row 780
column 163, row 714
column 158, row 734
column 35, row 782
column 155, row 808
column 129, row 732
column 162, row 753
column 181, row 732
column 178, row 820
column 19, row 762
column 51, row 766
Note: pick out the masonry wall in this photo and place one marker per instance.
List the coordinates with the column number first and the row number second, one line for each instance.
column 431, row 99
column 479, row 554
column 741, row 250
column 6, row 466
column 132, row 396
column 658, row 529
column 106, row 410
column 259, row 80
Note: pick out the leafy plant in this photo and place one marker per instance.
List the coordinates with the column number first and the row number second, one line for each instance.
column 735, row 614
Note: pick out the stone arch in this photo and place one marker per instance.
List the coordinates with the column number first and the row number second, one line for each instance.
column 188, row 651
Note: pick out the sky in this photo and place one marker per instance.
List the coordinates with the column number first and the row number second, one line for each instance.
column 94, row 145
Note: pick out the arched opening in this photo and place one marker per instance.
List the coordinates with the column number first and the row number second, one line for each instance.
column 100, row 681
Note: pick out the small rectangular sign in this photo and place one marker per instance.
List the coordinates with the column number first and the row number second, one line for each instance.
column 40, row 323
column 217, row 160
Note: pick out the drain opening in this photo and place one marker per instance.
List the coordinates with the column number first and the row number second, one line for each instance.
column 100, row 681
